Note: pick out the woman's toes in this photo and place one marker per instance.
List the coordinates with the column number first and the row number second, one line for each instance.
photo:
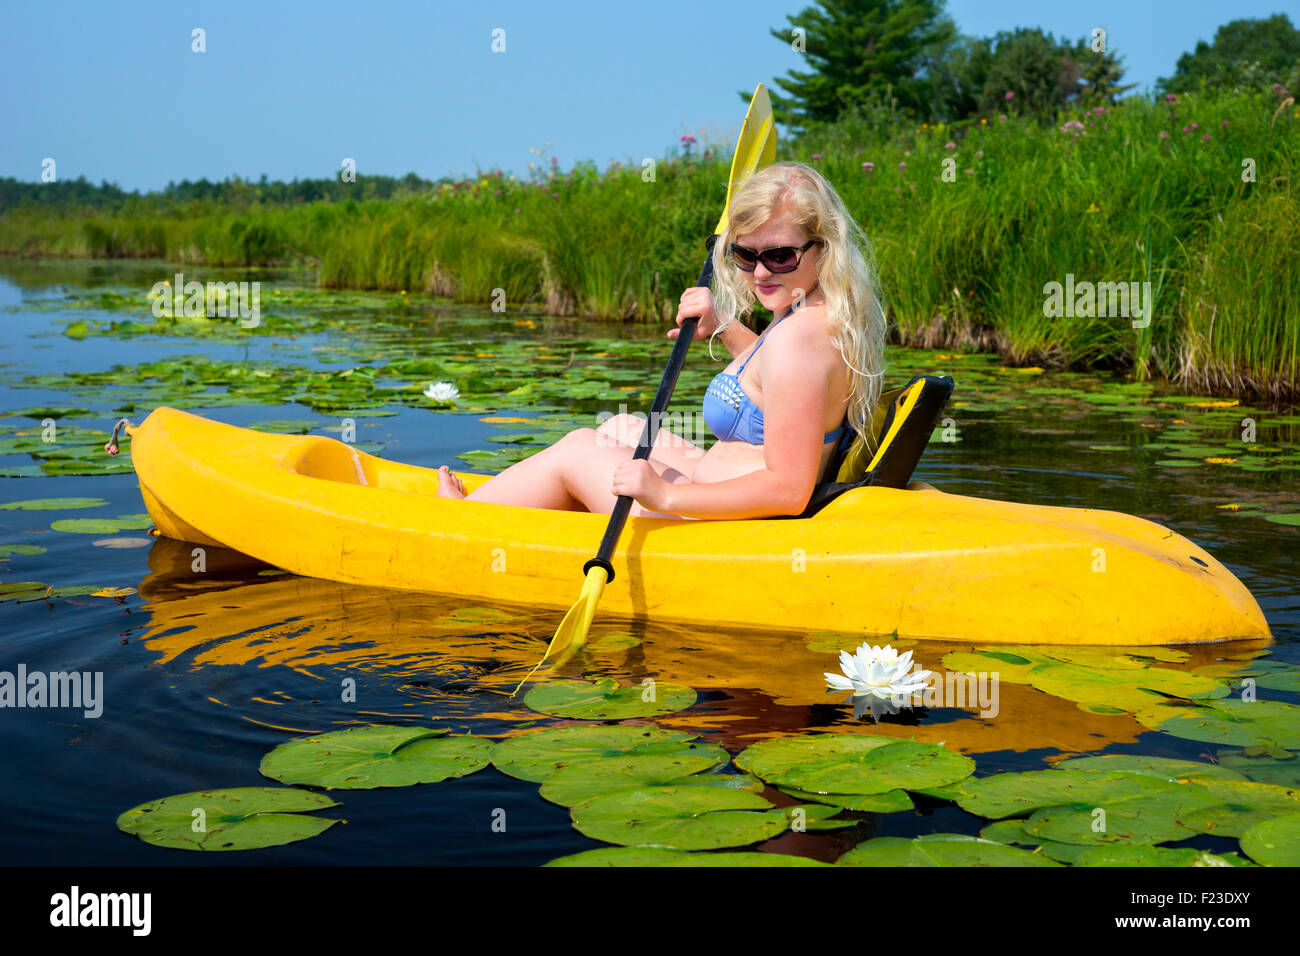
column 449, row 486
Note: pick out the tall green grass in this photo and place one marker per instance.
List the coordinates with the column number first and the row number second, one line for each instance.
column 963, row 263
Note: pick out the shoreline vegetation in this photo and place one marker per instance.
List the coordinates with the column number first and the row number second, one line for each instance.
column 977, row 227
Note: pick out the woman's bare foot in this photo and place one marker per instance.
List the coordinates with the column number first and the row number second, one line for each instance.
column 449, row 486
column 921, row 486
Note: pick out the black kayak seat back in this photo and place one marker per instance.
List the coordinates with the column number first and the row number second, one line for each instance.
column 902, row 425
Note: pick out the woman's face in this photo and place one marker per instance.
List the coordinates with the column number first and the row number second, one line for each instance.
column 778, row 292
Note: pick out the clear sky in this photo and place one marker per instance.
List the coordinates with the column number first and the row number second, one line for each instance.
column 111, row 89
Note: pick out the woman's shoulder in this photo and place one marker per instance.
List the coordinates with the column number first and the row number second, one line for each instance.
column 805, row 328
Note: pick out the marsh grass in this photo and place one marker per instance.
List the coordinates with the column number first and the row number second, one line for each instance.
column 963, row 264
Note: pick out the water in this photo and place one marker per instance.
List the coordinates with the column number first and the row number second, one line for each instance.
column 204, row 673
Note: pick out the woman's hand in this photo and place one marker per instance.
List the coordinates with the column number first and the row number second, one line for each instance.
column 638, row 478
column 697, row 300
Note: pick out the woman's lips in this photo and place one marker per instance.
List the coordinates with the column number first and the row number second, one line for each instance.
column 768, row 289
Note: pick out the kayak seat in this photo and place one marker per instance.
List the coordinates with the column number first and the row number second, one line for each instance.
column 904, row 420
column 325, row 458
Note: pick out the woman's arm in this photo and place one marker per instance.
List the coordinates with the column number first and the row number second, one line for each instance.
column 698, row 301
column 796, row 382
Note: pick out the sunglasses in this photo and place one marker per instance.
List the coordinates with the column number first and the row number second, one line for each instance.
column 778, row 259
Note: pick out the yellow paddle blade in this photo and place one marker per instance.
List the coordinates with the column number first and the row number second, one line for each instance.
column 755, row 149
column 572, row 632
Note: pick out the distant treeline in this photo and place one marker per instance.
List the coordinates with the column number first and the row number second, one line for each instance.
column 80, row 193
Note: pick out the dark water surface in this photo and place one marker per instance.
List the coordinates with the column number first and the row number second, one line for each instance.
column 205, row 673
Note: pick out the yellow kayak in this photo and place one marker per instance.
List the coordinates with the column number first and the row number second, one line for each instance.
column 875, row 561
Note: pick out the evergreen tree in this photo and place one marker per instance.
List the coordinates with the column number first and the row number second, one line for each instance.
column 1102, row 73
column 860, row 51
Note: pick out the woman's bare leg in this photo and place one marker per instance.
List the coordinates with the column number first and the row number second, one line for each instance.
column 539, row 480
column 574, row 474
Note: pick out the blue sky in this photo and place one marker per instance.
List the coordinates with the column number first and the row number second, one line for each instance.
column 113, row 91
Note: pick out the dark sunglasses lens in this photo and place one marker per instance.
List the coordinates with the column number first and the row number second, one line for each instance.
column 784, row 259
column 746, row 259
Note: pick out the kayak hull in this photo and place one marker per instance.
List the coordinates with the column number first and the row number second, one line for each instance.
column 875, row 562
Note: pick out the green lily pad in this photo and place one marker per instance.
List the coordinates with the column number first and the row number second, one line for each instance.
column 53, row 504
column 244, row 818
column 23, row 591
column 1288, row 680
column 1236, row 722
column 1145, row 809
column 362, row 758
column 657, row 856
column 1281, row 768
column 891, row 801
column 1274, row 842
column 680, row 818
column 103, row 525
column 7, row 550
column 1153, row 856
column 1243, row 804
column 285, row 426
column 853, row 763
column 1015, row 794
column 1292, row 519
column 940, row 849
column 1162, row 766
column 1013, row 831
column 576, row 784
column 604, row 699
column 536, row 755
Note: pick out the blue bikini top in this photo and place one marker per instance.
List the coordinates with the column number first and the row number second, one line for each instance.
column 729, row 413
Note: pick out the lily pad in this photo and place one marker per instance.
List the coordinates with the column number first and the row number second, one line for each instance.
column 1274, row 842
column 1243, row 803
column 1236, row 722
column 1162, row 766
column 536, row 755
column 853, row 763
column 1013, row 831
column 681, row 818
column 891, row 801
column 940, row 849
column 573, row 785
column 1154, row 856
column 1015, row 794
column 362, row 758
column 1145, row 809
column 103, row 525
column 604, row 699
column 53, row 504
column 244, row 818
column 7, row 550
column 473, row 615
column 1281, row 767
column 657, row 856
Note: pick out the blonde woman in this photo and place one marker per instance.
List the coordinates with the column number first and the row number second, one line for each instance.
column 779, row 409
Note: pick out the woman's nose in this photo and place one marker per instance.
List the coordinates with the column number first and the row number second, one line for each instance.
column 761, row 271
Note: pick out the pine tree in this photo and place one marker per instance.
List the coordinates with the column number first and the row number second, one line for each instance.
column 858, row 50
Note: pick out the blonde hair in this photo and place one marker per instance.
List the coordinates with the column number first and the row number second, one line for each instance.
column 845, row 273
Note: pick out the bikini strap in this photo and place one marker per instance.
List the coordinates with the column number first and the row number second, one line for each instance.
column 760, row 343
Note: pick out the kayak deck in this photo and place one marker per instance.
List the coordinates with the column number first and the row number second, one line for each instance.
column 876, row 561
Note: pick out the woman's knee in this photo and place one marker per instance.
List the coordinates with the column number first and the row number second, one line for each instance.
column 624, row 428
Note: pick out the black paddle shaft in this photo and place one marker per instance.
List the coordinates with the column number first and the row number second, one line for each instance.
column 618, row 517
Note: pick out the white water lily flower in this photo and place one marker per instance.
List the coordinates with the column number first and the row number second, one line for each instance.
column 881, row 676
column 442, row 392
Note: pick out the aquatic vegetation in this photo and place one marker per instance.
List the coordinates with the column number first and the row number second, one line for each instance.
column 363, row 758
column 604, row 699
column 939, row 849
column 881, row 675
column 1274, row 842
column 245, row 818
column 103, row 525
column 538, row 754
column 53, row 504
column 640, row 856
column 680, row 818
column 853, row 764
